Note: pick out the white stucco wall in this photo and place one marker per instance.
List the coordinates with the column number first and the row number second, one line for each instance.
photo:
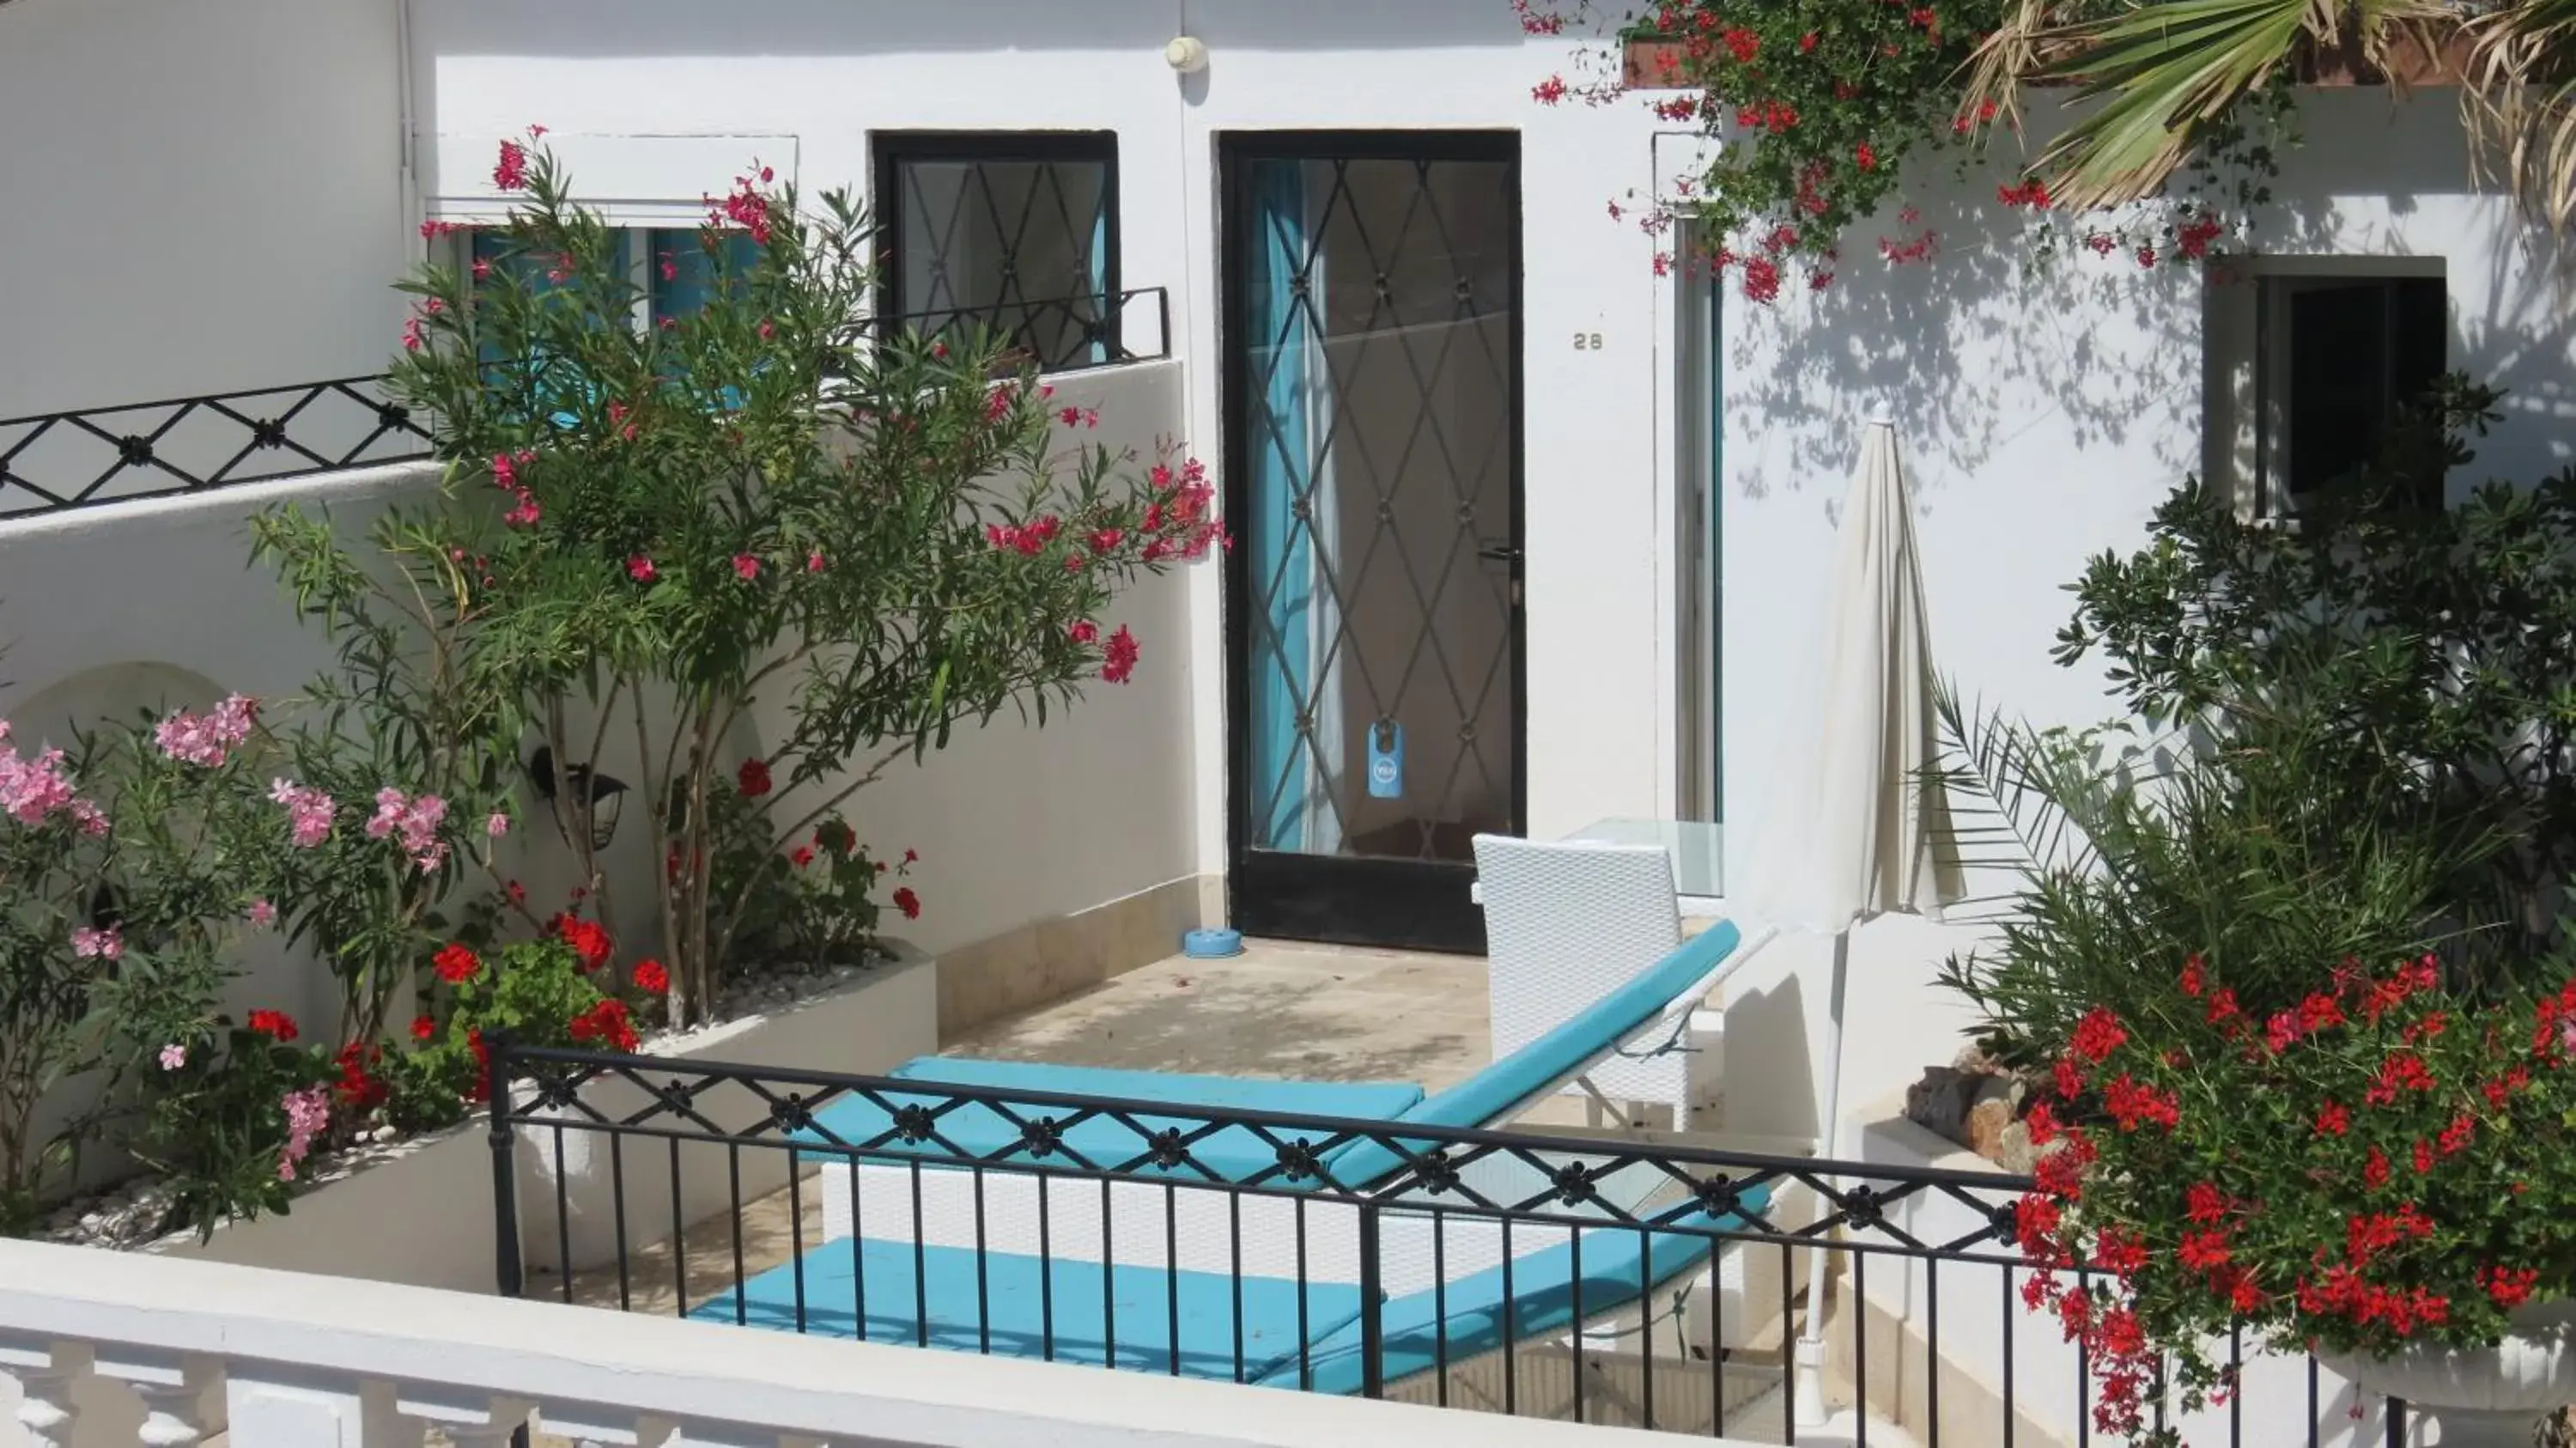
column 205, row 198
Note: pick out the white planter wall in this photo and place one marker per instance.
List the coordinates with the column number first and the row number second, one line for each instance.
column 421, row 1214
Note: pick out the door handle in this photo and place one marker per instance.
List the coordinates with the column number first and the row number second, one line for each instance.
column 1498, row 550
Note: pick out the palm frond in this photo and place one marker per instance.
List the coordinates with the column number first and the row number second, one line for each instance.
column 2520, row 104
column 2021, row 801
column 2158, row 75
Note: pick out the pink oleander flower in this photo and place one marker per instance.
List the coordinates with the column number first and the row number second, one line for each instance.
column 1118, row 656
column 814, row 561
column 308, row 1114
column 511, row 173
column 640, row 568
column 173, row 1056
column 416, row 820
column 746, row 567
column 497, row 825
column 526, row 514
column 91, row 944
column 262, row 914
column 308, row 811
column 33, row 790
column 389, row 813
column 206, row 739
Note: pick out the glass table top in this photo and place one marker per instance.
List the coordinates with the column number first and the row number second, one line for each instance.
column 1698, row 849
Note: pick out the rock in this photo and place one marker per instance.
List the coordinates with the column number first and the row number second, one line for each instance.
column 1942, row 1101
column 1986, row 1123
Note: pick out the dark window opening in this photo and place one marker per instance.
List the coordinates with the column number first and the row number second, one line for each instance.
column 1014, row 233
column 2346, row 358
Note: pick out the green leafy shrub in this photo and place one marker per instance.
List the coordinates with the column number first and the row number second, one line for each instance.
column 128, row 862
column 545, row 992
column 233, row 1111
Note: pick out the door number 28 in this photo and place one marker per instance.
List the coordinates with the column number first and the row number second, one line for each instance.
column 1587, row 341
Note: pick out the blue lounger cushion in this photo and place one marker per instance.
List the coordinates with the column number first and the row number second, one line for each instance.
column 1423, row 1330
column 1015, row 1309
column 975, row 1130
column 1024, row 1311
column 1491, row 1095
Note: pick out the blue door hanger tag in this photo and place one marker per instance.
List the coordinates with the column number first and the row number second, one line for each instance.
column 1386, row 760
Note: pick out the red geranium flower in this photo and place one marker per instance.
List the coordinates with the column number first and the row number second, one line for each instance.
column 753, row 778
column 455, row 964
column 801, row 856
column 651, row 978
column 908, row 903
column 277, row 1025
column 587, row 940
column 422, row 1028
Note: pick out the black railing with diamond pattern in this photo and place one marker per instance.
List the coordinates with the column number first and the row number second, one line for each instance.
column 82, row 459
column 56, row 462
column 582, row 1138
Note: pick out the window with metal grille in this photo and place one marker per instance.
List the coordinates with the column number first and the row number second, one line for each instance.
column 1013, row 232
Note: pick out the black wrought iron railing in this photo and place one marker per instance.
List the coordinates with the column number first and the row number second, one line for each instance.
column 81, row 459
column 54, row 462
column 1597, row 1278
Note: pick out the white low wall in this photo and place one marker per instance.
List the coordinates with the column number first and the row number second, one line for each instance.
column 421, row 1213
column 642, row 1184
column 1978, row 1331
column 291, row 1361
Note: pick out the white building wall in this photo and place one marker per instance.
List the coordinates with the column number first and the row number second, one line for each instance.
column 202, row 198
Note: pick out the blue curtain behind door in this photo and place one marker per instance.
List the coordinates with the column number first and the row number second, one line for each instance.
column 1283, row 329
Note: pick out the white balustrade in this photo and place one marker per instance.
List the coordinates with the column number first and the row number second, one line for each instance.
column 110, row 1350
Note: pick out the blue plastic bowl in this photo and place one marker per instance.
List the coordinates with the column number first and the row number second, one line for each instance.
column 1212, row 944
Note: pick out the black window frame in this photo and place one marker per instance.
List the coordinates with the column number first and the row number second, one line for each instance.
column 892, row 151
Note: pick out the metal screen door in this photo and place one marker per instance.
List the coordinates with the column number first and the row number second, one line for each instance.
column 1373, row 423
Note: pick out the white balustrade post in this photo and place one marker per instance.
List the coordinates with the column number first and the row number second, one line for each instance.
column 290, row 1410
column 45, row 1372
column 489, row 1425
column 173, row 1389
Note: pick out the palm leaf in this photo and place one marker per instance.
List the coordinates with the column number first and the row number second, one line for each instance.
column 2020, row 801
column 2158, row 75
column 2521, row 103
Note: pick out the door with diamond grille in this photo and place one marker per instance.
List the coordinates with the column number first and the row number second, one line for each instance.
column 1373, row 429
